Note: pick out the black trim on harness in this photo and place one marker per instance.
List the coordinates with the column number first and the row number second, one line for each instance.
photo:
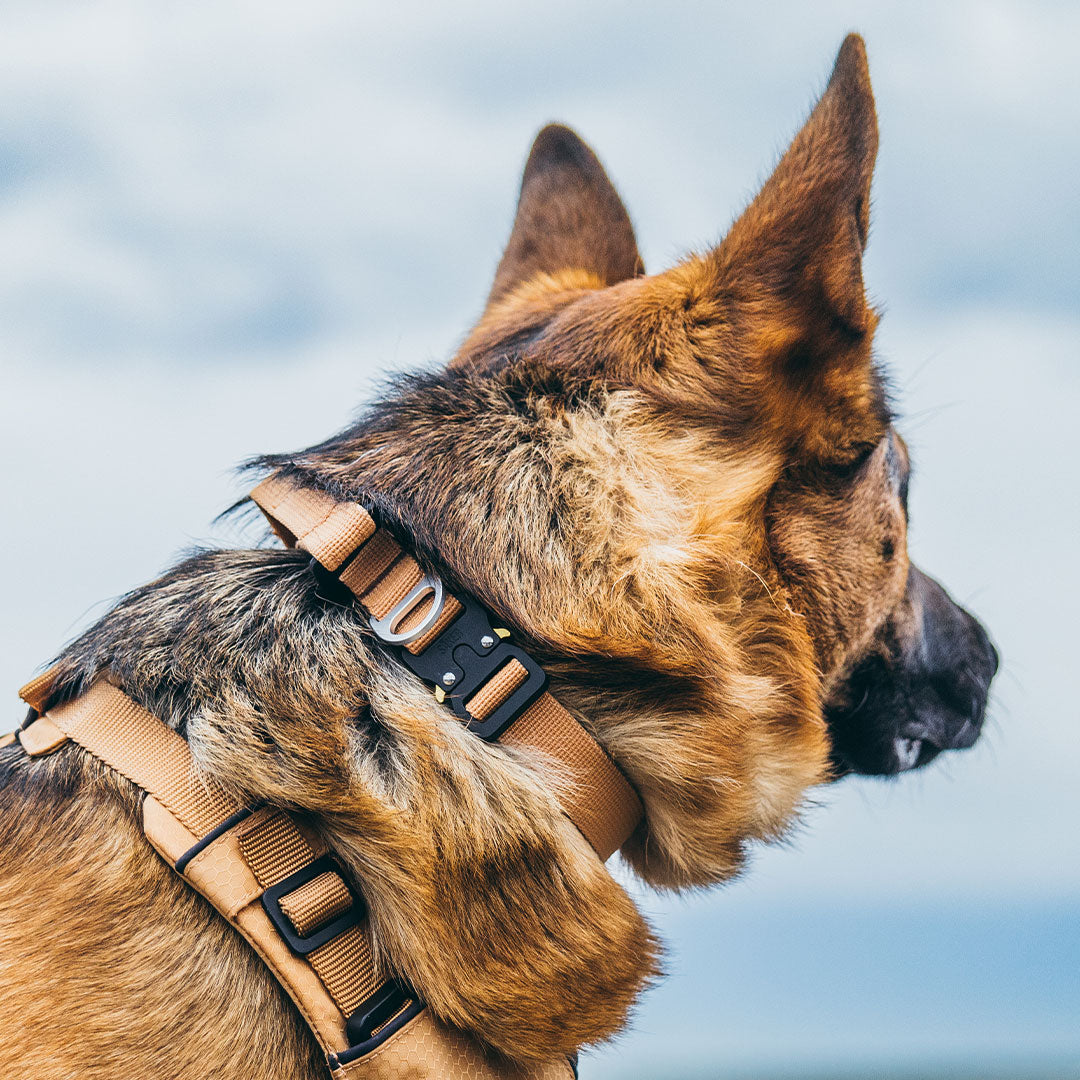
column 377, row 1017
column 218, row 830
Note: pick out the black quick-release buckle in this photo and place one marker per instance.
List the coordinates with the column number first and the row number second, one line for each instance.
column 464, row 656
column 460, row 660
column 301, row 944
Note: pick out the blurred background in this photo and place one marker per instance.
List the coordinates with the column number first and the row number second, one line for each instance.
column 224, row 222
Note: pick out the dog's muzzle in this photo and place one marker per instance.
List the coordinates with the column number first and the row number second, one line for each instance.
column 924, row 692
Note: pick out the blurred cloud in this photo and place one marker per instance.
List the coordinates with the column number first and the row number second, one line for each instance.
column 223, row 222
column 239, row 178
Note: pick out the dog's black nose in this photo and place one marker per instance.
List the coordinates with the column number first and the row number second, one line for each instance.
column 991, row 659
column 927, row 696
column 983, row 672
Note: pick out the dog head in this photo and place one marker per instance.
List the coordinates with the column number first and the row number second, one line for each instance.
column 906, row 669
column 764, row 343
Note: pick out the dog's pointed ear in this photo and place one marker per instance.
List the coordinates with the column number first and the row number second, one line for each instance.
column 787, row 279
column 801, row 240
column 569, row 217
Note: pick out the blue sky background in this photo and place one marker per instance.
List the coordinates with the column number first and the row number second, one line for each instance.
column 223, row 223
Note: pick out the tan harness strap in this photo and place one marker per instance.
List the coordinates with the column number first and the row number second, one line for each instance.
column 329, row 530
column 598, row 798
column 36, row 692
column 318, row 902
column 274, row 849
column 361, row 574
column 497, row 689
column 602, row 804
column 312, row 936
column 244, row 861
column 600, row 809
column 41, row 737
column 108, row 724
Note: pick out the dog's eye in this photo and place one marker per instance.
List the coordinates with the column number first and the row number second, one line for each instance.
column 849, row 470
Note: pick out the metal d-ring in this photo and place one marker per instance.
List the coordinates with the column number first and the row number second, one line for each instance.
column 385, row 628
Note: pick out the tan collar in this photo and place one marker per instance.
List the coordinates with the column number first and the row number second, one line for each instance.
column 496, row 688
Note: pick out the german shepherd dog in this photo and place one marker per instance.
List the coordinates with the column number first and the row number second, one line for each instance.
column 685, row 494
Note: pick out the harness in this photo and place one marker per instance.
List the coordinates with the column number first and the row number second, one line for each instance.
column 267, row 873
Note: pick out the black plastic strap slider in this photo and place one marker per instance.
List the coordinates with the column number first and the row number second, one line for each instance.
column 374, row 1012
column 302, row 944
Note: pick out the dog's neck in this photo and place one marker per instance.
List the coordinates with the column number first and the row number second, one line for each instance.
column 620, row 559
column 547, row 509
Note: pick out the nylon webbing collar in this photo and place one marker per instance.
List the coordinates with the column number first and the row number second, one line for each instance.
column 268, row 874
column 497, row 689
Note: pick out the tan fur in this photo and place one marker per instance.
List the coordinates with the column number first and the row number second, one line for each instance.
column 667, row 485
